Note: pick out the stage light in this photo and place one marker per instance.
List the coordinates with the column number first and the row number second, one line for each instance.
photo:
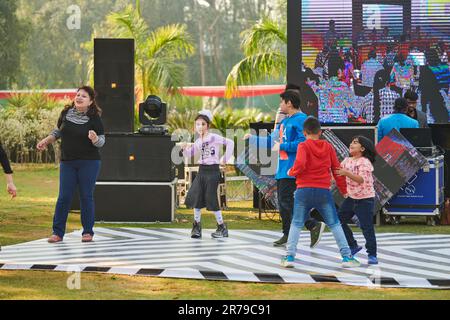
column 152, row 112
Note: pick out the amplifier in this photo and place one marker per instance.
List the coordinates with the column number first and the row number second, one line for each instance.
column 136, row 157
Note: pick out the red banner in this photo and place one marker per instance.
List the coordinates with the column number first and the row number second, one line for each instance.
column 211, row 91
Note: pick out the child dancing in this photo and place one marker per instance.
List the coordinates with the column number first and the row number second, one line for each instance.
column 315, row 162
column 358, row 170
column 203, row 192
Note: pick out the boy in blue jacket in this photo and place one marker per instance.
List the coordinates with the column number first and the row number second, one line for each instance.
column 285, row 139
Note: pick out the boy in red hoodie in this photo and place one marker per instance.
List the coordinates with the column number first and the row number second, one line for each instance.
column 315, row 162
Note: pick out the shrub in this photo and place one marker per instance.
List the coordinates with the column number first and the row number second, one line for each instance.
column 24, row 120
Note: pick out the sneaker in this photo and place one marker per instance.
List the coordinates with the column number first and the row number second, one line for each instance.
column 87, row 237
column 221, row 232
column 372, row 260
column 287, row 261
column 196, row 232
column 54, row 239
column 350, row 262
column 356, row 250
column 281, row 242
column 316, row 234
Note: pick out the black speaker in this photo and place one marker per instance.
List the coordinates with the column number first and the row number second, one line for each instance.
column 135, row 202
column 114, row 83
column 136, row 157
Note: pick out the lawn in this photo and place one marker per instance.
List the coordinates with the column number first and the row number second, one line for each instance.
column 29, row 217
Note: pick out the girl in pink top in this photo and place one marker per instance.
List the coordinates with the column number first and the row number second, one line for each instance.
column 203, row 192
column 360, row 198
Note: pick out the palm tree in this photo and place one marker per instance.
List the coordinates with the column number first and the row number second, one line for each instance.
column 264, row 46
column 157, row 53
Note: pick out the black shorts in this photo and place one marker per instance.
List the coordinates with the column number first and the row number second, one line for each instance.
column 203, row 192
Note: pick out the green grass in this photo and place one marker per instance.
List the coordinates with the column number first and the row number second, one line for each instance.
column 53, row 285
column 29, row 217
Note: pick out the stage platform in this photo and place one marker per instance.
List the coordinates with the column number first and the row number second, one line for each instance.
column 406, row 260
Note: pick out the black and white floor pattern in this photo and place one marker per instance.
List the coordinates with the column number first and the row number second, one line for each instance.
column 406, row 260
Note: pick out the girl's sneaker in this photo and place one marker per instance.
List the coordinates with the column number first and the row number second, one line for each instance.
column 350, row 262
column 372, row 260
column 287, row 261
column 221, row 232
column 196, row 232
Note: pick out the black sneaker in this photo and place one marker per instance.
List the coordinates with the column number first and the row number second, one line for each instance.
column 196, row 230
column 281, row 242
column 316, row 234
column 221, row 232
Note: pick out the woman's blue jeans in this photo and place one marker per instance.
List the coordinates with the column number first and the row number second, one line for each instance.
column 81, row 173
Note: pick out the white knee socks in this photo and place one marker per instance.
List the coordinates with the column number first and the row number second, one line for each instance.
column 198, row 214
column 219, row 218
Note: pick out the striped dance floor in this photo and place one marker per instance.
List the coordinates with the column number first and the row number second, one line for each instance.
column 406, row 260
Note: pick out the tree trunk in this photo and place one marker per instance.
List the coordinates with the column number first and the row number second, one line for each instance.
column 201, row 53
column 217, row 57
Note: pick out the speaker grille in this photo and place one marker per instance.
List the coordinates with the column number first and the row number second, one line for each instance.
column 114, row 83
column 138, row 158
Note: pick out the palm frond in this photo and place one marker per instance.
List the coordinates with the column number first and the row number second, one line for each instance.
column 157, row 52
column 170, row 41
column 128, row 24
column 164, row 74
column 266, row 35
column 255, row 68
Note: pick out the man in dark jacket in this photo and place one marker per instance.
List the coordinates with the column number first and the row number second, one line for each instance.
column 412, row 111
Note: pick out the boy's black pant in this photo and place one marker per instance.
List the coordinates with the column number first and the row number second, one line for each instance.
column 285, row 192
